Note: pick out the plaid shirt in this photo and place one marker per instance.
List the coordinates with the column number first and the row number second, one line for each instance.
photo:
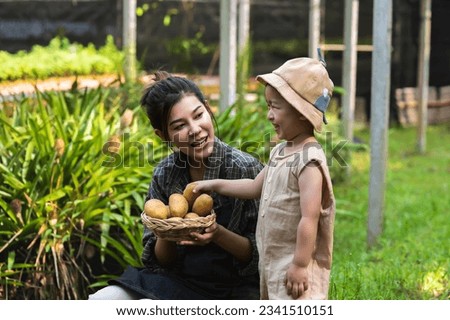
column 172, row 175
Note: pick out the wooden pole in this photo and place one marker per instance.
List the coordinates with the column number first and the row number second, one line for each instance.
column 129, row 39
column 423, row 72
column 314, row 28
column 228, row 52
column 350, row 65
column 244, row 24
column 243, row 57
column 379, row 115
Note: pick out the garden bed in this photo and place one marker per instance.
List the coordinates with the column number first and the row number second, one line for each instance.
column 12, row 88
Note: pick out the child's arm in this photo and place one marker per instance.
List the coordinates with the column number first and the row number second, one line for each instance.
column 310, row 186
column 240, row 188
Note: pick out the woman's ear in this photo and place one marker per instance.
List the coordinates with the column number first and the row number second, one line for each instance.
column 208, row 107
column 159, row 134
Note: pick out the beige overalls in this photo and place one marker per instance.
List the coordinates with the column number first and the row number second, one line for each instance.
column 279, row 216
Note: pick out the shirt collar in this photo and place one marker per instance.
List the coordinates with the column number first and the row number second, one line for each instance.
column 214, row 161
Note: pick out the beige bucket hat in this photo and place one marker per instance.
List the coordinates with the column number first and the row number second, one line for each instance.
column 306, row 85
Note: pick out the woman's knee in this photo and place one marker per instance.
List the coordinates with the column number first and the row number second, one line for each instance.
column 114, row 292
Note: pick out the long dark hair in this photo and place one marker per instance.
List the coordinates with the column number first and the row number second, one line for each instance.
column 167, row 90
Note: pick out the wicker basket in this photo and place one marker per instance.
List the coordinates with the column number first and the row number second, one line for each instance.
column 177, row 230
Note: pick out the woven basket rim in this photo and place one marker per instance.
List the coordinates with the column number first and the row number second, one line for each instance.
column 177, row 229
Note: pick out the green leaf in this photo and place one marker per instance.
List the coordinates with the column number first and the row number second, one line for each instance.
column 11, row 259
column 58, row 194
column 166, row 20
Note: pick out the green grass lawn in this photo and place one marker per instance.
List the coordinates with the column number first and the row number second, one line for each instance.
column 412, row 258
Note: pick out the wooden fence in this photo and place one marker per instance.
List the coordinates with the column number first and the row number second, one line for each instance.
column 438, row 105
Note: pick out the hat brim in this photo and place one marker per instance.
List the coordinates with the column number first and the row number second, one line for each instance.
column 308, row 110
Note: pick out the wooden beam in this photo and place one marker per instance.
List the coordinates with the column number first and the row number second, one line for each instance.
column 341, row 47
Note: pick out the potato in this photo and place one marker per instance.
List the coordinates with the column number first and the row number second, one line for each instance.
column 191, row 215
column 189, row 194
column 175, row 218
column 178, row 205
column 203, row 205
column 156, row 209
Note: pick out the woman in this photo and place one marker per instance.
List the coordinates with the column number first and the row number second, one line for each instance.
column 221, row 263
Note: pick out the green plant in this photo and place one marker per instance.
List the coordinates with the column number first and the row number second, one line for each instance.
column 243, row 71
column 61, row 58
column 243, row 125
column 185, row 49
column 73, row 177
column 283, row 48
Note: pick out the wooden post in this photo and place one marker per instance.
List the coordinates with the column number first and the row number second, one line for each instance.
column 314, row 28
column 244, row 24
column 129, row 39
column 350, row 65
column 423, row 72
column 227, row 63
column 243, row 58
column 379, row 115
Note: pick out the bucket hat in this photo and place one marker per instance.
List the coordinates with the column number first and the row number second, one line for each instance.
column 306, row 85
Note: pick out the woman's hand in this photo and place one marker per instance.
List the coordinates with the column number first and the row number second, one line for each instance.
column 201, row 239
column 239, row 246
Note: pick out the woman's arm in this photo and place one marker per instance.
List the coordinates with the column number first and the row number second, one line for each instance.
column 165, row 252
column 238, row 188
column 239, row 246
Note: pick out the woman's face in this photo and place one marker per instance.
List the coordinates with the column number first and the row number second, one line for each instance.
column 190, row 128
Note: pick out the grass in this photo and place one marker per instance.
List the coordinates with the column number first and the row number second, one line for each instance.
column 411, row 258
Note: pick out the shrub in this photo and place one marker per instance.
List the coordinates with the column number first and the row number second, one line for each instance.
column 71, row 192
column 61, row 58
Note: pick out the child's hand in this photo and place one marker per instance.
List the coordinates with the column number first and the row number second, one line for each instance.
column 202, row 186
column 296, row 281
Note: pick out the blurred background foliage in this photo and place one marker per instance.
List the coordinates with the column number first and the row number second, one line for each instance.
column 61, row 58
column 73, row 179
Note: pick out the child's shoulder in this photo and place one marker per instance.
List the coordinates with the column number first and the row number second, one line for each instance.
column 314, row 152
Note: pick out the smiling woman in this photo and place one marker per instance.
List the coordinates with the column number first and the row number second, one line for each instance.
column 191, row 130
column 220, row 263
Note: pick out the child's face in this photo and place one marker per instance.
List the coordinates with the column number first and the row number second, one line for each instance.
column 191, row 129
column 285, row 119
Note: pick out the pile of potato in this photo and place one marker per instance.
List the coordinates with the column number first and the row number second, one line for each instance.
column 188, row 205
